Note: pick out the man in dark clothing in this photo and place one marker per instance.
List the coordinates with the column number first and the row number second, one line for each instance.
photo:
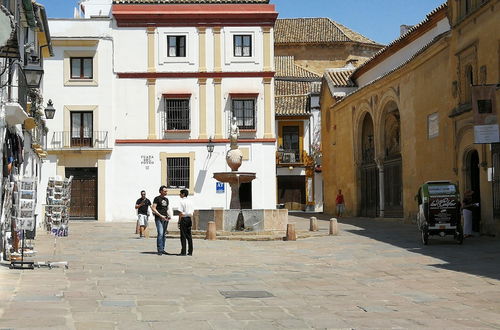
column 142, row 207
column 186, row 210
column 162, row 214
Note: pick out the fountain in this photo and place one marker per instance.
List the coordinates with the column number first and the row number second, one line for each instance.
column 234, row 158
column 235, row 219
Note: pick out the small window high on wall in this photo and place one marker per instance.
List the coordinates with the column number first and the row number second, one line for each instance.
column 176, row 46
column 81, row 67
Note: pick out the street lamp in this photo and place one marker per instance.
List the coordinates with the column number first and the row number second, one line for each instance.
column 50, row 111
column 33, row 74
column 210, row 146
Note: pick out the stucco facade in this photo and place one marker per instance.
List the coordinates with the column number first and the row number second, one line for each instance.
column 136, row 78
column 414, row 113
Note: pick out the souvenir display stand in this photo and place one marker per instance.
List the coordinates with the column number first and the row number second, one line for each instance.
column 24, row 217
column 57, row 213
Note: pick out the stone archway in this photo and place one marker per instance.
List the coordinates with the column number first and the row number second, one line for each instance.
column 392, row 165
column 368, row 183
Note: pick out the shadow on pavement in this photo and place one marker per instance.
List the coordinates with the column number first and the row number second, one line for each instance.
column 478, row 255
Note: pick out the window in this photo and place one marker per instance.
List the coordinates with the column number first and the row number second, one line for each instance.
column 178, row 172
column 291, row 144
column 242, row 45
column 244, row 111
column 81, row 67
column 176, row 46
column 176, row 114
column 81, row 129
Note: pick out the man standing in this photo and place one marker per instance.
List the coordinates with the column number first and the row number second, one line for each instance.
column 162, row 214
column 185, row 222
column 142, row 207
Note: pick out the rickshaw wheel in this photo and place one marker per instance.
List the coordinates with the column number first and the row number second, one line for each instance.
column 425, row 236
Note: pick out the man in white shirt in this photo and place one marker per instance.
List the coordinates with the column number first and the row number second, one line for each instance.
column 186, row 210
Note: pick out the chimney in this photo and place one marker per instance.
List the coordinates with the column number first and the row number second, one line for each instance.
column 404, row 28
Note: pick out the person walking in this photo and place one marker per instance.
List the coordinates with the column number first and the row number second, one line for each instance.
column 142, row 206
column 162, row 213
column 339, row 200
column 186, row 210
column 467, row 207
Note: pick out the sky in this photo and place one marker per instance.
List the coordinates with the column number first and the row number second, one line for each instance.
column 378, row 20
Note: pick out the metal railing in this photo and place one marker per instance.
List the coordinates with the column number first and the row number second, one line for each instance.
column 90, row 140
column 289, row 156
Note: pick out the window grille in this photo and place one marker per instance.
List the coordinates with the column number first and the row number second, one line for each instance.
column 176, row 116
column 81, row 67
column 242, row 45
column 176, row 46
column 244, row 111
column 178, row 172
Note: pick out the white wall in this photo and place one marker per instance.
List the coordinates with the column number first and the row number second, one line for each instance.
column 403, row 54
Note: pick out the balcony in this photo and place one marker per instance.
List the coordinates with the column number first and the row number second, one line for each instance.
column 286, row 157
column 91, row 141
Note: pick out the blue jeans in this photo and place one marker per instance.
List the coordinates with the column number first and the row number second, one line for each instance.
column 161, row 228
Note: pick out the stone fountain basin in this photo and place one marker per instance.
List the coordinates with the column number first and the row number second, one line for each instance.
column 234, row 177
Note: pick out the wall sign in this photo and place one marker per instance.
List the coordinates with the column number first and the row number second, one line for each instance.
column 219, row 187
column 147, row 160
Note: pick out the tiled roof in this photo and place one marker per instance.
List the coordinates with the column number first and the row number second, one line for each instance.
column 286, row 67
column 399, row 42
column 292, row 105
column 314, row 30
column 286, row 87
column 187, row 1
column 340, row 78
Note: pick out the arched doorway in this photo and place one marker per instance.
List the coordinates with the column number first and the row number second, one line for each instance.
column 473, row 183
column 369, row 171
column 393, row 165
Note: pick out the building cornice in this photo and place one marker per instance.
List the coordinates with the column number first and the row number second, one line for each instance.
column 206, row 75
column 190, row 141
column 195, row 15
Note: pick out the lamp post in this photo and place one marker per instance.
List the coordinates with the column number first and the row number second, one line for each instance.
column 49, row 110
column 210, row 146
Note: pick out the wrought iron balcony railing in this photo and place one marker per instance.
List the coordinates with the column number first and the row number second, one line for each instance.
column 289, row 156
column 87, row 140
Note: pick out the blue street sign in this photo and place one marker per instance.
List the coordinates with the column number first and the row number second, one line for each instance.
column 219, row 187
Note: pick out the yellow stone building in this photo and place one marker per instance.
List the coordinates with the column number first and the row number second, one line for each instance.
column 409, row 119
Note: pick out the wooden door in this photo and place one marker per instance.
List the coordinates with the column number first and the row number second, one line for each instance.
column 292, row 192
column 369, row 191
column 393, row 189
column 83, row 193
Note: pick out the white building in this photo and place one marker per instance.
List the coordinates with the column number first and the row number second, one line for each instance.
column 140, row 96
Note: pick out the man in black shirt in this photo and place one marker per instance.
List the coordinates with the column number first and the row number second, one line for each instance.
column 162, row 214
column 142, row 207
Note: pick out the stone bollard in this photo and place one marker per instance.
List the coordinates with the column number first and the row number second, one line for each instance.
column 290, row 232
column 313, row 224
column 211, row 235
column 334, row 227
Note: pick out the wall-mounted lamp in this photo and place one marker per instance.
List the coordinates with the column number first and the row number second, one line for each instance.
column 33, row 74
column 210, row 146
column 50, row 111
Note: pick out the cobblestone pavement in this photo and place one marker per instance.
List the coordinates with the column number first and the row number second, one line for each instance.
column 374, row 275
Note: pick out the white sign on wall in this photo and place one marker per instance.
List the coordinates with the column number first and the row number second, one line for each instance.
column 486, row 134
column 147, row 160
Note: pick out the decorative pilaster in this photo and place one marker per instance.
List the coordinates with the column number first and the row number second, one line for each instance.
column 151, row 109
column 202, row 83
column 218, row 107
column 217, row 49
column 268, row 48
column 151, row 30
column 268, row 113
column 202, row 47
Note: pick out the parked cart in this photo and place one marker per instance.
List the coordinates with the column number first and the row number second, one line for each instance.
column 439, row 210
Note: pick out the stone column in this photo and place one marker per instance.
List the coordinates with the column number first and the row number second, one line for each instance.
column 217, row 49
column 218, row 107
column 268, row 115
column 202, row 48
column 235, row 196
column 202, row 82
column 151, row 30
column 381, row 186
column 268, row 48
column 151, row 108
